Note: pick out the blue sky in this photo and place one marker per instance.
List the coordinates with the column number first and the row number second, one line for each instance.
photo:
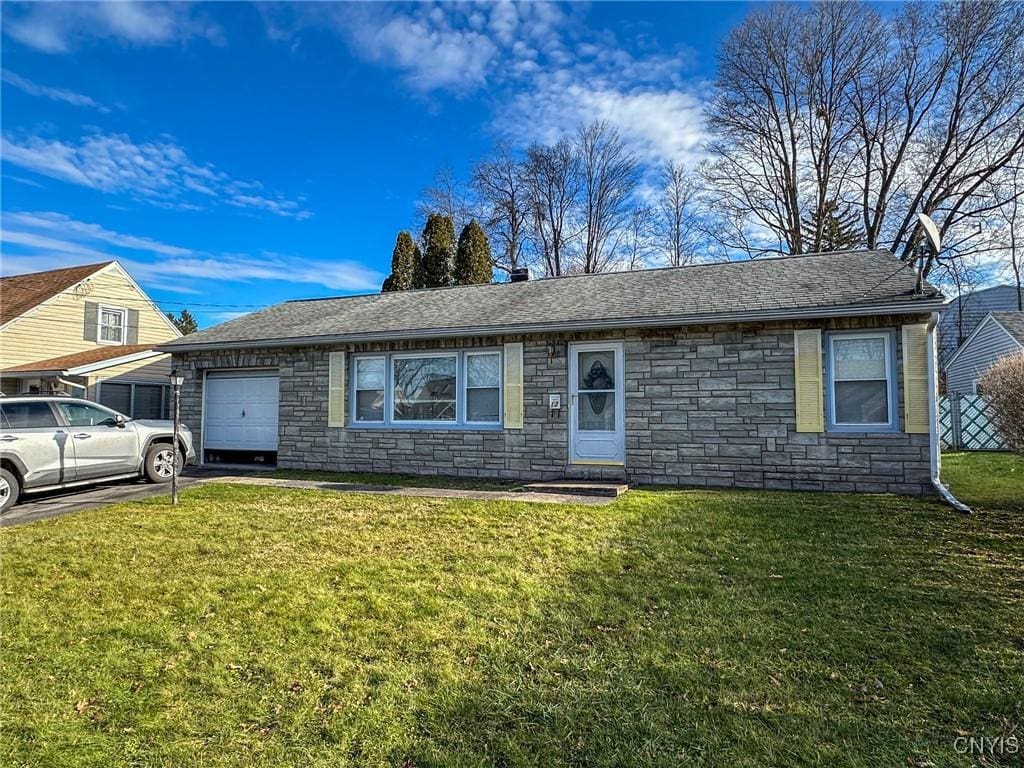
column 234, row 154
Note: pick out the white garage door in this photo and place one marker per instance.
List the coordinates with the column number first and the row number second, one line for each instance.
column 241, row 411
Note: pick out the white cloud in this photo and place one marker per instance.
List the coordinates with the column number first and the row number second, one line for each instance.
column 34, row 241
column 544, row 68
column 59, row 27
column 457, row 47
column 658, row 125
column 48, row 92
column 48, row 221
column 158, row 171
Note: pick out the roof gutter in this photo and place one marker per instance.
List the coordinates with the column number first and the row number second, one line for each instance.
column 15, row 374
column 933, row 420
column 86, row 368
column 572, row 325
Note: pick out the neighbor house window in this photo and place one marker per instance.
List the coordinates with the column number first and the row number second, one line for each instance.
column 370, row 386
column 861, row 391
column 448, row 389
column 111, row 325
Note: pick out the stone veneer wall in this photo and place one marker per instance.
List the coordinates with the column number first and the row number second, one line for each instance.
column 705, row 406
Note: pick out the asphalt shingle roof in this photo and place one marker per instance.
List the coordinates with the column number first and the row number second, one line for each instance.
column 752, row 289
column 1013, row 322
column 66, row 362
column 20, row 293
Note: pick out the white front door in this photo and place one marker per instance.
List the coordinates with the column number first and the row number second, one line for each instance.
column 241, row 412
column 597, row 433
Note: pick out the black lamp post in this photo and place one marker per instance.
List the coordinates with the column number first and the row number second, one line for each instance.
column 176, row 381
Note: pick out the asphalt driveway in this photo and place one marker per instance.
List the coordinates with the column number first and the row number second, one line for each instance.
column 53, row 503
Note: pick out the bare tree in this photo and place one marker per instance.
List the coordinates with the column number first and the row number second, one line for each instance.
column 500, row 184
column 608, row 174
column 1009, row 189
column 448, row 195
column 780, row 147
column 915, row 111
column 941, row 112
column 553, row 183
column 677, row 218
column 639, row 243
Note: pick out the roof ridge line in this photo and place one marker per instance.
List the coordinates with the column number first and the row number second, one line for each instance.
column 724, row 263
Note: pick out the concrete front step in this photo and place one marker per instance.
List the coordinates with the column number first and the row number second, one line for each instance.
column 579, row 488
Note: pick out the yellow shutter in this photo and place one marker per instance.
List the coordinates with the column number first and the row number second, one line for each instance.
column 336, row 390
column 513, row 393
column 915, row 378
column 810, row 408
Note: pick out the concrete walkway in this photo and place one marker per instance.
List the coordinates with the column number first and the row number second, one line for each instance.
column 438, row 493
column 52, row 504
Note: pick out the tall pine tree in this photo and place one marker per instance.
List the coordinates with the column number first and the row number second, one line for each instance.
column 404, row 261
column 185, row 321
column 473, row 261
column 438, row 263
column 839, row 229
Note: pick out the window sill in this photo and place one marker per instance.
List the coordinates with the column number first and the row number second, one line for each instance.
column 426, row 427
column 866, row 430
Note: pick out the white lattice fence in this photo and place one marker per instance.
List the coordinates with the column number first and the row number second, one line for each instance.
column 965, row 424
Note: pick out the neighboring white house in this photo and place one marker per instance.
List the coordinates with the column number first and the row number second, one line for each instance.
column 964, row 313
column 999, row 334
column 89, row 331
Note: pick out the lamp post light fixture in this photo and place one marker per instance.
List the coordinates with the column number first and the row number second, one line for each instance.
column 176, row 381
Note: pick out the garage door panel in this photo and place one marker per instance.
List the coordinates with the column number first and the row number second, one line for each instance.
column 241, row 412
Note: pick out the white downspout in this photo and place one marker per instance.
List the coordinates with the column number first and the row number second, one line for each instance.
column 933, row 420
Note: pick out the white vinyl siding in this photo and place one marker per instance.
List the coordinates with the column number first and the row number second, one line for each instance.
column 990, row 343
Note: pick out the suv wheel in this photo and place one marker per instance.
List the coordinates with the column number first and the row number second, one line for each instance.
column 160, row 463
column 10, row 489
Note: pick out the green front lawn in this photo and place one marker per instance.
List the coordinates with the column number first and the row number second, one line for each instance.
column 986, row 480
column 254, row 626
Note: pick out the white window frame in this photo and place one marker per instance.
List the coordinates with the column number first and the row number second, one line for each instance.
column 99, row 324
column 465, row 385
column 890, row 425
column 356, row 390
column 459, row 422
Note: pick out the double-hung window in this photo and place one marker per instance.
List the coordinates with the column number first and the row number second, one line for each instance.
column 483, row 388
column 112, row 323
column 448, row 389
column 861, row 382
column 369, row 388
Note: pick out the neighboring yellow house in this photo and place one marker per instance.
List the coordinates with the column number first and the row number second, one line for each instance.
column 86, row 331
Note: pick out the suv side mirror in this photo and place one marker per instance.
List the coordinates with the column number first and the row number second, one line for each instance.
column 119, row 421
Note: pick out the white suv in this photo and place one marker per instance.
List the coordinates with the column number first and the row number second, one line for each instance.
column 60, row 442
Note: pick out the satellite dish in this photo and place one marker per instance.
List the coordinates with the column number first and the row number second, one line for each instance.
column 931, row 232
